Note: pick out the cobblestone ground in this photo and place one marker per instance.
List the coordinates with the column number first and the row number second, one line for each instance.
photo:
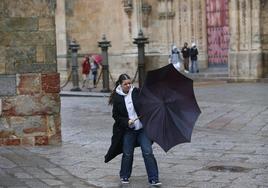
column 232, row 131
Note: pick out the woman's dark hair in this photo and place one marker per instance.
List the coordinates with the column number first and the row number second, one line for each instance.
column 120, row 80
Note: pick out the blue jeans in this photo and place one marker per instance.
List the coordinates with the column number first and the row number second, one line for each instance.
column 130, row 139
column 194, row 66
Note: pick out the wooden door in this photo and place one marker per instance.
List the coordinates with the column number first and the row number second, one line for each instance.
column 218, row 32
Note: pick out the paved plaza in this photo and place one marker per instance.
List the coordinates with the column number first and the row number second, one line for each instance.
column 229, row 147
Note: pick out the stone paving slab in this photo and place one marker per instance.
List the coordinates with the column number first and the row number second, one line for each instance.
column 231, row 131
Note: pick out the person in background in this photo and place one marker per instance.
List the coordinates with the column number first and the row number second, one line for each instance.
column 175, row 58
column 193, row 55
column 185, row 54
column 85, row 71
column 128, row 131
column 94, row 70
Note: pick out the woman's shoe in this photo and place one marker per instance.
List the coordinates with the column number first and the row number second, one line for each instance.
column 124, row 180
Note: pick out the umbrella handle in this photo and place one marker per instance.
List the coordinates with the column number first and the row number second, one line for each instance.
column 137, row 118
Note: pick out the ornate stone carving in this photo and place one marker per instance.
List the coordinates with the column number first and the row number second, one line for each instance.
column 146, row 8
column 128, row 6
column 166, row 15
column 166, row 9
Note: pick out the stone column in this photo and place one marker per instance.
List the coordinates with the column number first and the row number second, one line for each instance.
column 141, row 41
column 245, row 54
column 75, row 77
column 29, row 82
column 61, row 39
column 264, row 34
column 104, row 44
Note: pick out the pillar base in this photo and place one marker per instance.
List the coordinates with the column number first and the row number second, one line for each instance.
column 105, row 90
column 76, row 89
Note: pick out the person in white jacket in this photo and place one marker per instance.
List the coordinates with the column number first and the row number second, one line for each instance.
column 129, row 132
column 175, row 58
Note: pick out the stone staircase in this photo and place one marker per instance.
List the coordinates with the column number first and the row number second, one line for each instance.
column 210, row 75
column 219, row 75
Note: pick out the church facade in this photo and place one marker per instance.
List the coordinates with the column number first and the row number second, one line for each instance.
column 231, row 35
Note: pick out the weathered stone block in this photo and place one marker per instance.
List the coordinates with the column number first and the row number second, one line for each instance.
column 2, row 68
column 245, row 65
column 41, row 140
column 50, row 54
column 7, row 133
column 10, row 141
column 29, row 8
column 22, row 38
column 18, row 24
column 2, row 9
column 40, row 54
column 28, row 141
column 53, row 124
column 37, row 104
column 46, row 24
column 55, row 139
column 51, row 83
column 10, row 68
column 0, row 107
column 4, row 125
column 32, row 130
column 27, row 125
column 21, row 54
column 35, row 68
column 5, row 38
column 28, row 83
column 7, row 85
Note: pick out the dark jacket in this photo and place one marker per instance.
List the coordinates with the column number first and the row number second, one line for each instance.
column 120, row 116
column 193, row 53
column 185, row 52
column 85, row 67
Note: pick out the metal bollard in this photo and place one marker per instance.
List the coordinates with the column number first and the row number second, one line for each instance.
column 73, row 46
column 141, row 41
column 104, row 44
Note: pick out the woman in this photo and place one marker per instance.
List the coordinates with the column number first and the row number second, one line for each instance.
column 85, row 71
column 128, row 131
column 175, row 58
column 94, row 70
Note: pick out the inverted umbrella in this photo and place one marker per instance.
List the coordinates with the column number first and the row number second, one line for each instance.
column 97, row 58
column 168, row 107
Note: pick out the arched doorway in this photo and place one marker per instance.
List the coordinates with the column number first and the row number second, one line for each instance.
column 217, row 32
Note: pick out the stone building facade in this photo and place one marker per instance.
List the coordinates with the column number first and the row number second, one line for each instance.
column 230, row 34
column 29, row 82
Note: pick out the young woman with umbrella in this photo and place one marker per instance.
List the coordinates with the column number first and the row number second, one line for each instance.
column 128, row 131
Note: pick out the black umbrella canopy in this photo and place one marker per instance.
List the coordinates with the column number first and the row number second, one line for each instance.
column 168, row 107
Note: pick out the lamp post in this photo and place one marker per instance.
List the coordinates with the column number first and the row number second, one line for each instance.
column 141, row 41
column 104, row 45
column 73, row 46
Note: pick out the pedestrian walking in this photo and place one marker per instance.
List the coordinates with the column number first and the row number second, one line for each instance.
column 175, row 58
column 186, row 54
column 128, row 132
column 194, row 62
column 85, row 71
column 94, row 71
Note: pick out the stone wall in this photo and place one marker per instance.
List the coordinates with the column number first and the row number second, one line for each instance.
column 245, row 52
column 29, row 82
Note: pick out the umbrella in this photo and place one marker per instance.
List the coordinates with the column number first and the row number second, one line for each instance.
column 168, row 107
column 97, row 58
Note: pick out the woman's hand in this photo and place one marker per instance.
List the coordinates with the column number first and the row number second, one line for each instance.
column 130, row 122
